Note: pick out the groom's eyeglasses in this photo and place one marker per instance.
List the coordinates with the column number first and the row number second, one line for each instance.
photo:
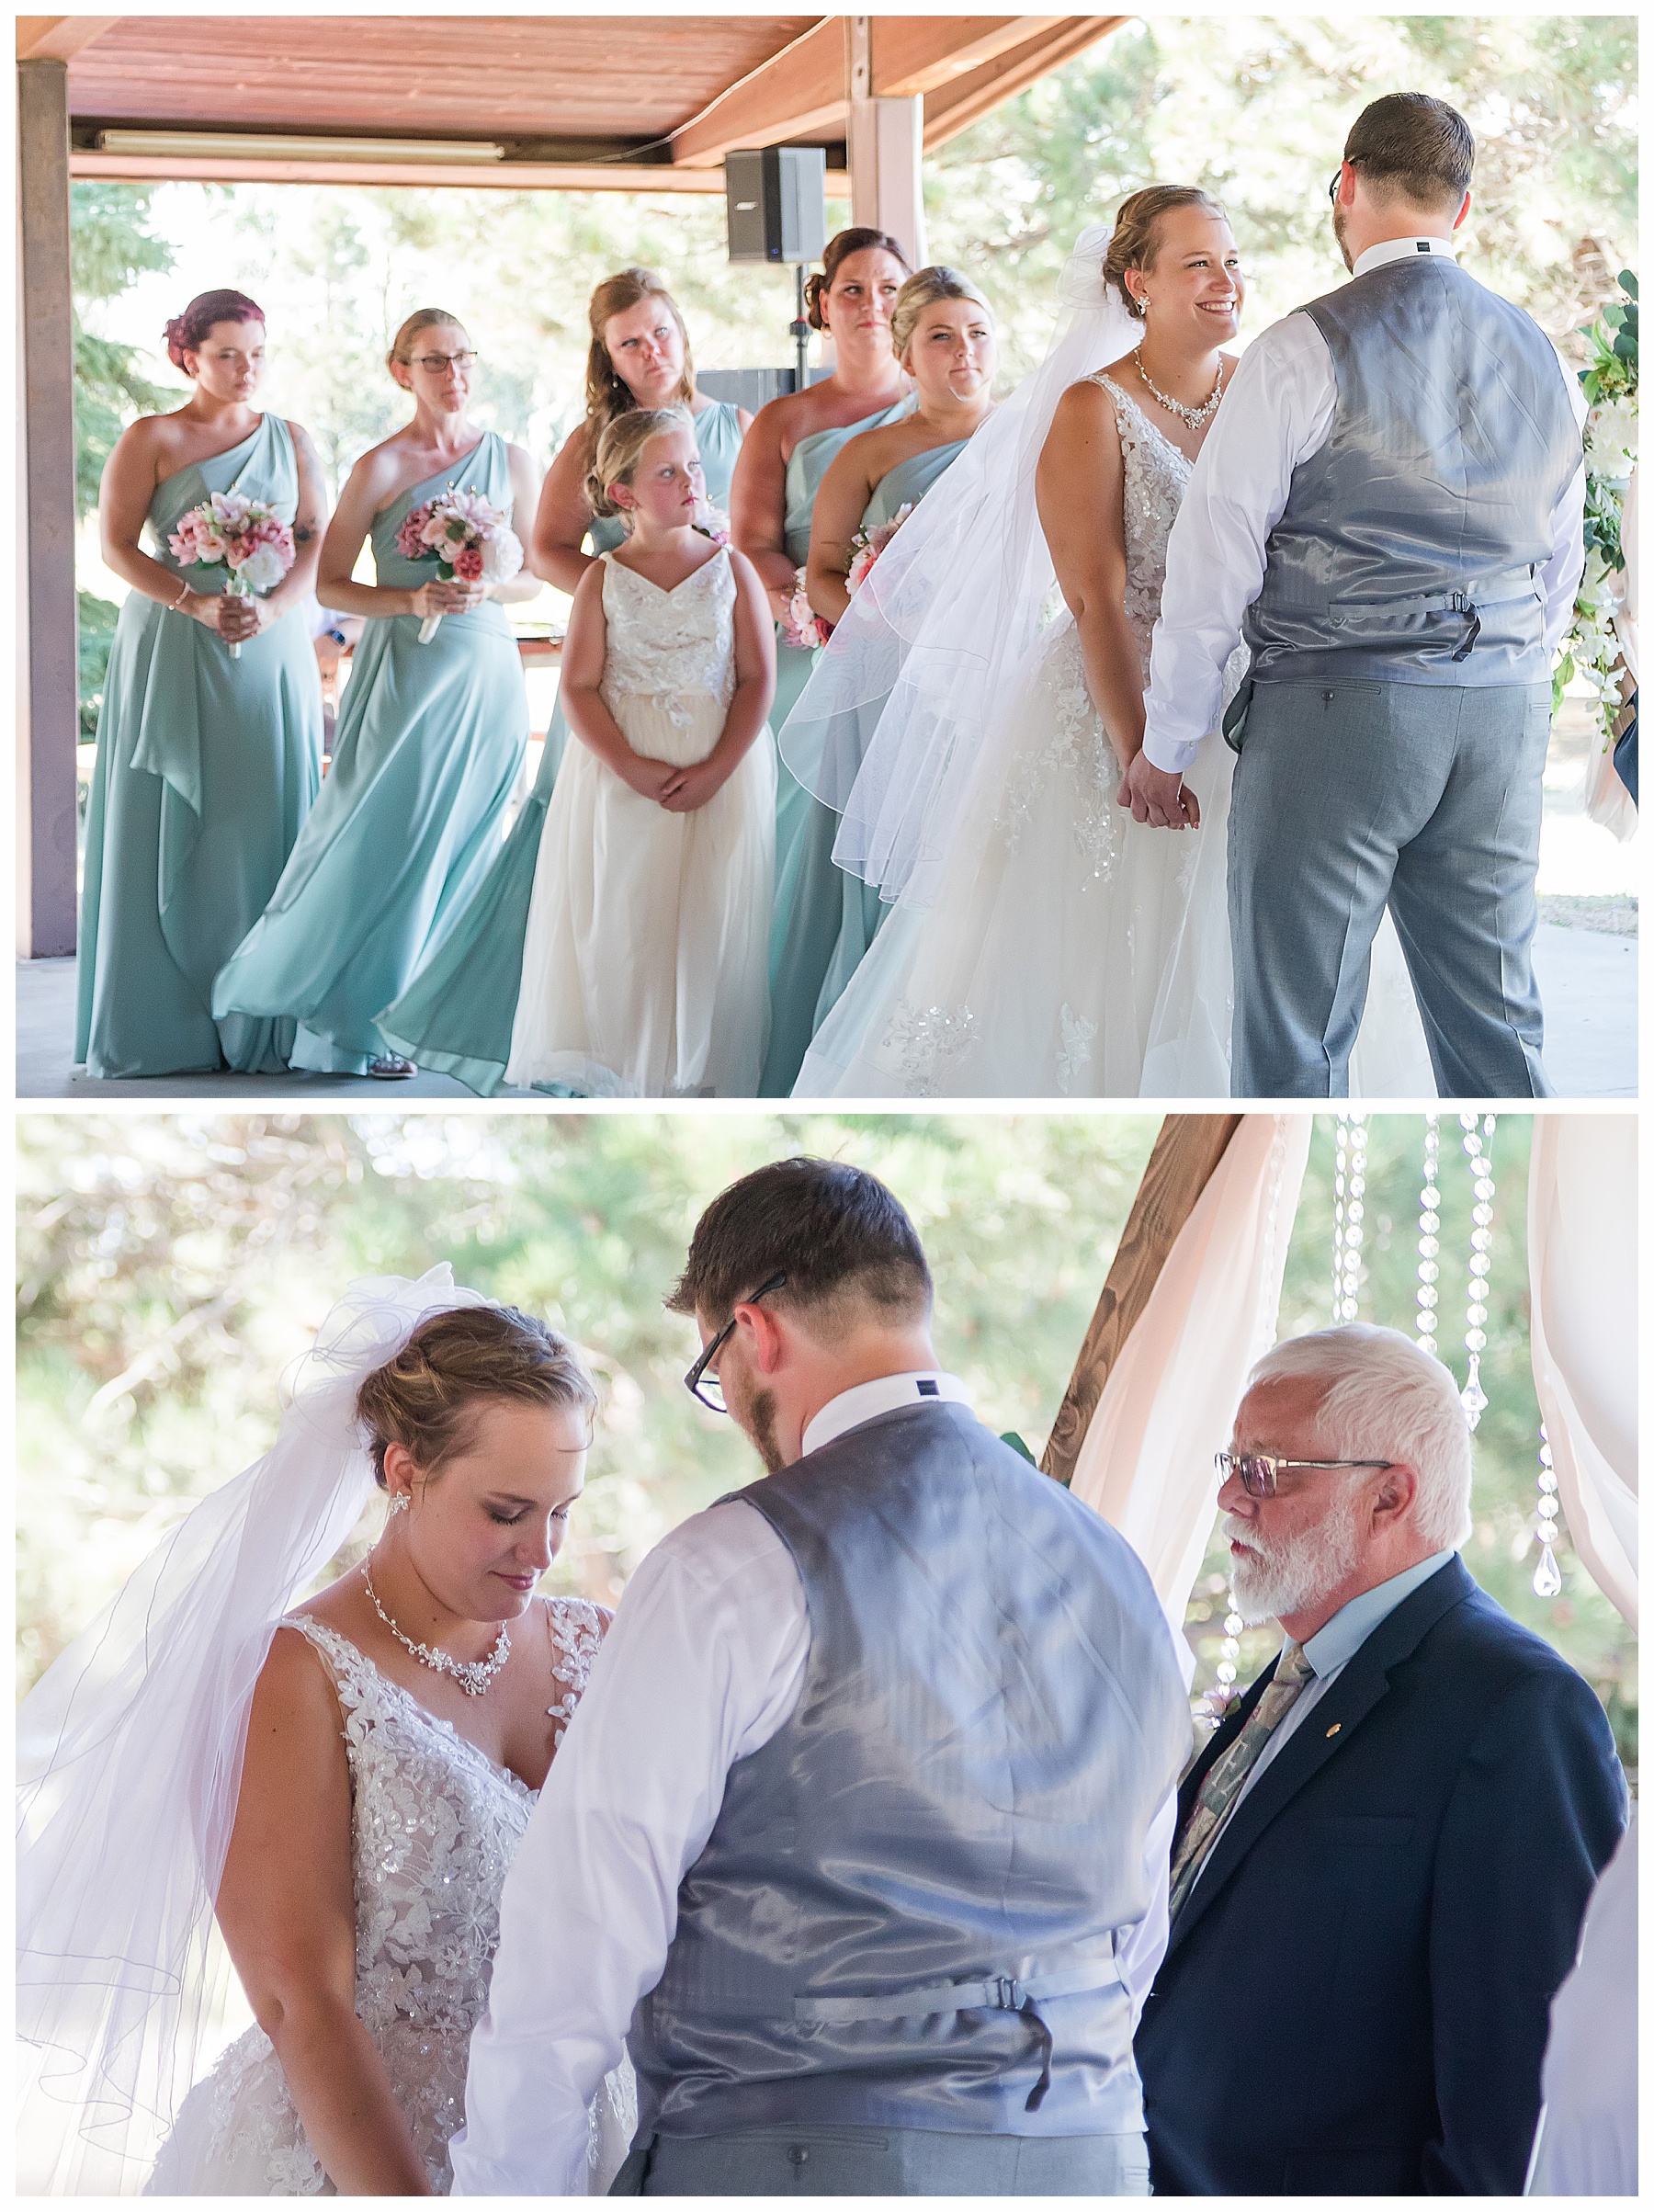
column 1256, row 1471
column 705, row 1385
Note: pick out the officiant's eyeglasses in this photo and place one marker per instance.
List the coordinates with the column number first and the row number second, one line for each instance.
column 706, row 1387
column 1256, row 1471
column 435, row 363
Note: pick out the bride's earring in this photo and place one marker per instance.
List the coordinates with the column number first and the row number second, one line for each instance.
column 399, row 1503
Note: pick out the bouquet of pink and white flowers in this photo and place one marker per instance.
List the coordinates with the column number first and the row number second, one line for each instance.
column 246, row 536
column 867, row 546
column 467, row 536
column 802, row 627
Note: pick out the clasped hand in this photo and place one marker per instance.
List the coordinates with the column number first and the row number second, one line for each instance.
column 681, row 790
column 1158, row 797
column 234, row 618
column 455, row 597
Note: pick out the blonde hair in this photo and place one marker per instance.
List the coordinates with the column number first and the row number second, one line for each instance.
column 423, row 318
column 1135, row 242
column 427, row 1398
column 620, row 447
column 607, row 393
column 922, row 290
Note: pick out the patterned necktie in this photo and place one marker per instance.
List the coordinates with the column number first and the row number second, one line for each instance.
column 1228, row 1774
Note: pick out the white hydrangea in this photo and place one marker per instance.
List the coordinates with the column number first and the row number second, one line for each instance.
column 502, row 556
column 262, row 570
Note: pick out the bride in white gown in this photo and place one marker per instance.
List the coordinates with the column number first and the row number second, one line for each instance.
column 1043, row 943
column 346, row 1782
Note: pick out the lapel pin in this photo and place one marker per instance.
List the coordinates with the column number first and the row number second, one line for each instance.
column 1335, row 1727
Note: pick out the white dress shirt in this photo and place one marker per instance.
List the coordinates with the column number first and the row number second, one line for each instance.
column 1329, row 1651
column 704, row 1662
column 1276, row 413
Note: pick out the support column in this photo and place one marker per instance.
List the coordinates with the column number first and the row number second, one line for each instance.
column 885, row 147
column 47, row 628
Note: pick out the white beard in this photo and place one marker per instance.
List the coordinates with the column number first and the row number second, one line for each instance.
column 1273, row 1579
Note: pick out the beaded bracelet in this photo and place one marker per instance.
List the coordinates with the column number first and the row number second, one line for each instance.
column 183, row 595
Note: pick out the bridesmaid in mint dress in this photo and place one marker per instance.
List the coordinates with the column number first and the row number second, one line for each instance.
column 941, row 334
column 207, row 763
column 429, row 741
column 794, row 442
column 456, row 1016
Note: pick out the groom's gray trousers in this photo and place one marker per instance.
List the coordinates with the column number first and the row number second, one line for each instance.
column 884, row 2161
column 1351, row 796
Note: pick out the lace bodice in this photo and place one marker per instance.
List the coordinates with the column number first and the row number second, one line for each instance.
column 1156, row 476
column 435, row 1825
column 672, row 647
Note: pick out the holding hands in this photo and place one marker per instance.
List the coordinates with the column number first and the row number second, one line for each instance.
column 1158, row 796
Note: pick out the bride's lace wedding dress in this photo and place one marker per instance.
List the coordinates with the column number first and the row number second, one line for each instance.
column 435, row 1825
column 1071, row 952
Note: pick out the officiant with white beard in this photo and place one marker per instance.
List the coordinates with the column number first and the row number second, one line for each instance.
column 1384, row 1852
column 1388, row 510
column 859, row 1838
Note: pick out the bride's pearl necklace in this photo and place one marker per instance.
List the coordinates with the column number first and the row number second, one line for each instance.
column 1194, row 416
column 473, row 1676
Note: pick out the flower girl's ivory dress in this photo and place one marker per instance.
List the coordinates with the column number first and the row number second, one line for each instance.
column 435, row 1823
column 644, row 972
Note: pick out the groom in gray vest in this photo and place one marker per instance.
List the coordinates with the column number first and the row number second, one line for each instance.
column 1389, row 508
column 859, row 1836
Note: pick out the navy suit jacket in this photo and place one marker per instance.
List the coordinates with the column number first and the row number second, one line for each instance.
column 1355, row 1996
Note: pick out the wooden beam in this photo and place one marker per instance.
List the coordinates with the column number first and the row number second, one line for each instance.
column 494, row 176
column 801, row 92
column 954, row 107
column 919, row 53
column 59, row 38
column 1186, row 1154
column 47, row 828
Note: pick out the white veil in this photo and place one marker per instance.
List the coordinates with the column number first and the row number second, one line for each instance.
column 943, row 624
column 130, row 1752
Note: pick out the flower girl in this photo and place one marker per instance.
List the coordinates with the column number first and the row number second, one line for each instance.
column 644, row 969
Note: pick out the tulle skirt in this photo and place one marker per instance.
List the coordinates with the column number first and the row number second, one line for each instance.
column 645, row 969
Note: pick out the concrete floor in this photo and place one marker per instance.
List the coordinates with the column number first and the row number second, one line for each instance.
column 1587, row 976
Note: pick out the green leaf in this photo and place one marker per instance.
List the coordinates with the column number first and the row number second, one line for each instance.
column 1017, row 1444
column 1627, row 284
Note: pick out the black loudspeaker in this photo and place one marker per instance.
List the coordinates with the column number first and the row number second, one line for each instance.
column 775, row 197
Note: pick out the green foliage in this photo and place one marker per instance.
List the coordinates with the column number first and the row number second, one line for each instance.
column 96, row 634
column 170, row 1266
column 112, row 244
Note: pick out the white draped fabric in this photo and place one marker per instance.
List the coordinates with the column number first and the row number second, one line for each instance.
column 1586, row 2144
column 1583, row 1274
column 1145, row 1463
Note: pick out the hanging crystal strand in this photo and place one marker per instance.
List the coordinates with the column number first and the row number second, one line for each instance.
column 1349, row 1211
column 1478, row 1151
column 1228, row 1664
column 1341, row 1170
column 1429, row 1222
column 1548, row 1575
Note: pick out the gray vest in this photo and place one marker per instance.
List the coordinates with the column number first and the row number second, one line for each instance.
column 1411, row 545
column 905, row 1913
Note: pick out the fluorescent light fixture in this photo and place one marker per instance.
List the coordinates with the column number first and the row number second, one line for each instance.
column 233, row 145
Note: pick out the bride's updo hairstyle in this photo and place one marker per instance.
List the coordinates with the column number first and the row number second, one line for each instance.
column 922, row 290
column 839, row 249
column 425, row 1399
column 1134, row 242
column 607, row 393
column 423, row 318
column 620, row 447
column 187, row 333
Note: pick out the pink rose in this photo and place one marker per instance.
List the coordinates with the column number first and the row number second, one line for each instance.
column 468, row 565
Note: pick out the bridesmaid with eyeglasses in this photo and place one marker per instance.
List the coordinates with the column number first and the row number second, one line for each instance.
column 208, row 760
column 457, row 1016
column 429, row 741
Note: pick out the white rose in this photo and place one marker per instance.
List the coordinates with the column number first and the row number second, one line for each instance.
column 502, row 556
column 1611, row 437
column 262, row 570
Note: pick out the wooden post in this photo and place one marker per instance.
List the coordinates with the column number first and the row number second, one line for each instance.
column 886, row 147
column 48, row 628
column 1185, row 1153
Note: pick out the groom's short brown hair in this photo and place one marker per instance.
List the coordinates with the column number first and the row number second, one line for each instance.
column 1413, row 147
column 834, row 1230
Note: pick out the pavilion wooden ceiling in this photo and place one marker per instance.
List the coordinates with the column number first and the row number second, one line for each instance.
column 670, row 94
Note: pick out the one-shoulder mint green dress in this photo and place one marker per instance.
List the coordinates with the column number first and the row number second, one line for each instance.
column 456, row 1016
column 427, row 747
column 824, row 919
column 206, row 765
